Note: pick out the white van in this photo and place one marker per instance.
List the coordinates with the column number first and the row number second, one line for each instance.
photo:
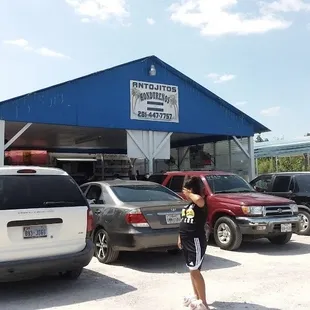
column 45, row 224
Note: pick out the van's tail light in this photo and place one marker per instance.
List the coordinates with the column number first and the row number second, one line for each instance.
column 90, row 221
column 136, row 219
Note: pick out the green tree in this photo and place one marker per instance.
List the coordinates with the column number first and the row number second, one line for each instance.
column 284, row 164
column 259, row 138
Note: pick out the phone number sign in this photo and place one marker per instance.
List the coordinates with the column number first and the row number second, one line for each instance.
column 154, row 102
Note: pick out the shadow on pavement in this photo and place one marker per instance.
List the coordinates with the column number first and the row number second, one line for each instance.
column 264, row 247
column 163, row 262
column 238, row 306
column 51, row 292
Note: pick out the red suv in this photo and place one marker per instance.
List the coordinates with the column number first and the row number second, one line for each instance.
column 236, row 210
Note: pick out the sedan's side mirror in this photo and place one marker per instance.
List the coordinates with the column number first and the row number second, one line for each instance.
column 91, row 201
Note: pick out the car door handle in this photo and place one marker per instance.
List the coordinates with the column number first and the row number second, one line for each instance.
column 97, row 212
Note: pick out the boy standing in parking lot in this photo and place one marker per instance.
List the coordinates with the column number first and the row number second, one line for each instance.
column 193, row 241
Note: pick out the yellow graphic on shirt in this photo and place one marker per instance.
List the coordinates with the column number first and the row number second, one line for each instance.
column 190, row 213
column 183, row 213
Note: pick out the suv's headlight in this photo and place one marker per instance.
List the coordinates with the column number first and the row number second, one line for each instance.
column 294, row 208
column 253, row 210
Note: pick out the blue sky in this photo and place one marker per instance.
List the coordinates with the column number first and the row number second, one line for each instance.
column 254, row 54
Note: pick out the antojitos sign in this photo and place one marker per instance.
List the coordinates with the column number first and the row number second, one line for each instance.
column 154, row 102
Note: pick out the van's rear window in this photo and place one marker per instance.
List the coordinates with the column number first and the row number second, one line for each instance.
column 39, row 191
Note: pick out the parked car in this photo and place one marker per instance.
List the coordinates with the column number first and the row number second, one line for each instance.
column 291, row 185
column 236, row 210
column 133, row 216
column 45, row 224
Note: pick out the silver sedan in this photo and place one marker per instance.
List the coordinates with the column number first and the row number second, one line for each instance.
column 133, row 216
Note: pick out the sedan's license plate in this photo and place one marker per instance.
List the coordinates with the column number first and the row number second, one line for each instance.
column 173, row 218
column 286, row 227
column 31, row 232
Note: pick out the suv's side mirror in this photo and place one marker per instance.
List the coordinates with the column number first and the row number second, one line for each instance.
column 91, row 201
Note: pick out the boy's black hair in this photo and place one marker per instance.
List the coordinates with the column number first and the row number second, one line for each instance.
column 194, row 184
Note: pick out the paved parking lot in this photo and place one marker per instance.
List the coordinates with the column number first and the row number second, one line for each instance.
column 259, row 276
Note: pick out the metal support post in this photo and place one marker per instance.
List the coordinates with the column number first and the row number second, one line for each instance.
column 2, row 141
column 180, row 161
column 137, row 143
column 251, row 158
column 17, row 135
column 150, row 153
column 214, row 154
column 154, row 152
column 229, row 155
column 147, row 146
column 102, row 166
column 162, row 143
column 247, row 153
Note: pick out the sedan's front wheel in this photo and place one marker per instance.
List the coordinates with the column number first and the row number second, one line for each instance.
column 103, row 249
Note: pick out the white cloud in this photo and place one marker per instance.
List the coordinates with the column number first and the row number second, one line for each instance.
column 285, row 6
column 272, row 111
column 100, row 10
column 150, row 21
column 85, row 20
column 215, row 18
column 241, row 103
column 18, row 42
column 43, row 51
column 217, row 78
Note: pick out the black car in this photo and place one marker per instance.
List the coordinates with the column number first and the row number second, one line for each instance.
column 292, row 185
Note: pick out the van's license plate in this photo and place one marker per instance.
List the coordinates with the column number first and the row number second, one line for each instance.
column 173, row 218
column 286, row 227
column 31, row 232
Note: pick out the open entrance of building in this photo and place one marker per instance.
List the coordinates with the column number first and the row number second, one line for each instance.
column 96, row 153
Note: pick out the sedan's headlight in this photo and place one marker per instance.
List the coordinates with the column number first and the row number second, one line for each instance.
column 294, row 208
column 253, row 210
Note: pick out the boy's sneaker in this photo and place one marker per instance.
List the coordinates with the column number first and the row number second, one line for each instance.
column 197, row 305
column 187, row 300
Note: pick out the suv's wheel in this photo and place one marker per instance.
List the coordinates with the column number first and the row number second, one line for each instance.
column 281, row 239
column 103, row 249
column 227, row 234
column 72, row 274
column 304, row 223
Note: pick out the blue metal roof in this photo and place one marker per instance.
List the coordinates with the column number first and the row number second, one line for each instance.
column 102, row 99
column 282, row 148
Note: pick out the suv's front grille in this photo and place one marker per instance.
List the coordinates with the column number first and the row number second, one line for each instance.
column 278, row 211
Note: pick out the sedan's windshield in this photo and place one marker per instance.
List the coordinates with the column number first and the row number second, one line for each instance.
column 228, row 184
column 140, row 193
